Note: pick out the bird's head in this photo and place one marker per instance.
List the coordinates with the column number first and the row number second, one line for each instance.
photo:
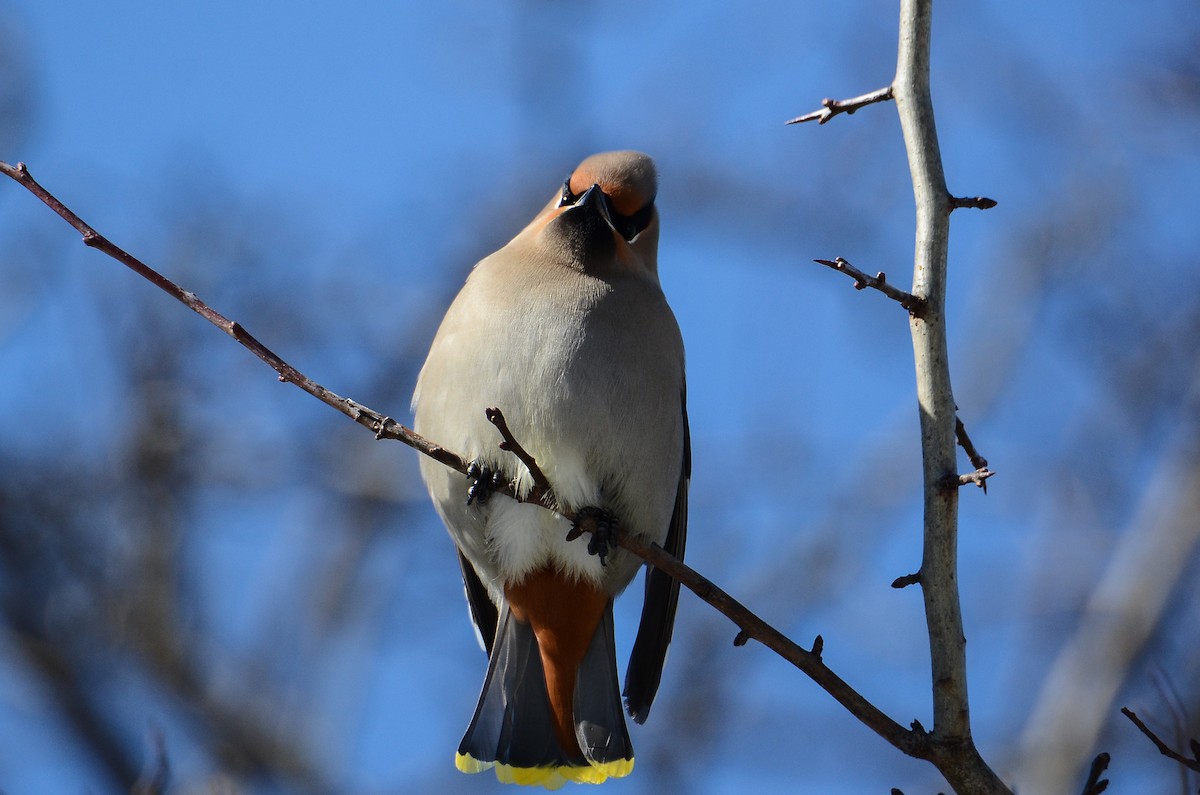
column 603, row 218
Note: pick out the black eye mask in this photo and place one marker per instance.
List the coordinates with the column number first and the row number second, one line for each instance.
column 627, row 226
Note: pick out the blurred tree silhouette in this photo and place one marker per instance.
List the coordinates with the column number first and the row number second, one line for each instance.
column 189, row 551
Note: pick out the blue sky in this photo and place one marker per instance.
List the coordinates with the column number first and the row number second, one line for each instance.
column 387, row 146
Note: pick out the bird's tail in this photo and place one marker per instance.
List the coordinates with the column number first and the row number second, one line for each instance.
column 513, row 728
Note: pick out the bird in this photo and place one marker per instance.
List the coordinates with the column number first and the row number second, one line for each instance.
column 565, row 329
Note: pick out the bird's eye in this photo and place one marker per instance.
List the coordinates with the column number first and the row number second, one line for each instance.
column 568, row 198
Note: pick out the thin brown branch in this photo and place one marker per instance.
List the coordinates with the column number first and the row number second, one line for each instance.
column 907, row 580
column 750, row 626
column 383, row 426
column 914, row 305
column 964, row 441
column 541, row 484
column 832, row 107
column 1163, row 748
column 914, row 742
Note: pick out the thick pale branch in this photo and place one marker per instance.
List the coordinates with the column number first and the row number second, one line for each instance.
column 832, row 107
column 914, row 742
column 962, row 765
column 934, row 395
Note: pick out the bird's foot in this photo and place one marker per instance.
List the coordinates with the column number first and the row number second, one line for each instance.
column 483, row 480
column 603, row 529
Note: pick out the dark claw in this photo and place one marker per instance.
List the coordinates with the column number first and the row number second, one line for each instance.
column 603, row 530
column 483, row 481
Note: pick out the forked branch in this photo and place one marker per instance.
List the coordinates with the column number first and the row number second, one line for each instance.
column 914, row 305
column 1096, row 783
column 964, row 441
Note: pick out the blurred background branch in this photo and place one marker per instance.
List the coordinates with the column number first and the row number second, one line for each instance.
column 1071, row 340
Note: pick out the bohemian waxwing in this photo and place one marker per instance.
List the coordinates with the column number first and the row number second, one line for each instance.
column 566, row 330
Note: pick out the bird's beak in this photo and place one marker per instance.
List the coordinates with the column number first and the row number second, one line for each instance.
column 595, row 201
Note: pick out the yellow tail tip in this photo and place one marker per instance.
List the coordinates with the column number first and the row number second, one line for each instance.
column 548, row 777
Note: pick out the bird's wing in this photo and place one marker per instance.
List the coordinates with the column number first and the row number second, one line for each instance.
column 662, row 596
column 483, row 612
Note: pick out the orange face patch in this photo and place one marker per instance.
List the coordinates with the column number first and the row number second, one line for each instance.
column 625, row 197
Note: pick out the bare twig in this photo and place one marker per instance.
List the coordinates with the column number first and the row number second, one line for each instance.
column 1163, row 748
column 832, row 107
column 1179, row 718
column 914, row 305
column 981, row 474
column 907, row 580
column 964, row 441
column 913, row 742
column 541, row 484
column 1095, row 784
column 971, row 202
column 979, row 477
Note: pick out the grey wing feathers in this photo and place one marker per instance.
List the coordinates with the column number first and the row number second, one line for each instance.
column 483, row 612
column 658, row 609
column 512, row 723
